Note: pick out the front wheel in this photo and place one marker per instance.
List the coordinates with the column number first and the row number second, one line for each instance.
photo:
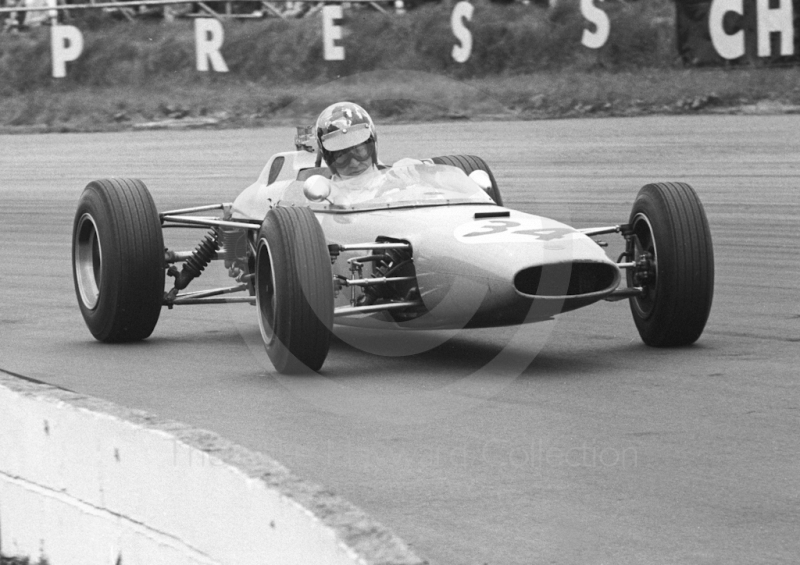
column 671, row 242
column 294, row 290
column 118, row 260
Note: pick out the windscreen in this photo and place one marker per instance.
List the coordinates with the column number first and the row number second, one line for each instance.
column 403, row 186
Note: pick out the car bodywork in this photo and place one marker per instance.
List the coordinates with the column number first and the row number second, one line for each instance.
column 475, row 264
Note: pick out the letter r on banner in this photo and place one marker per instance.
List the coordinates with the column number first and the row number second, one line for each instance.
column 462, row 11
column 331, row 32
column 66, row 44
column 208, row 39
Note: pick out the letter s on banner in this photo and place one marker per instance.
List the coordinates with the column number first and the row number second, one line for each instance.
column 208, row 39
column 331, row 32
column 461, row 11
column 728, row 46
column 598, row 38
column 66, row 44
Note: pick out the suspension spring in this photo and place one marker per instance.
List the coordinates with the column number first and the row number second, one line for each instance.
column 195, row 264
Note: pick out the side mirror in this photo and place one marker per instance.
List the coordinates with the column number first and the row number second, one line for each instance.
column 304, row 139
column 317, row 188
column 481, row 178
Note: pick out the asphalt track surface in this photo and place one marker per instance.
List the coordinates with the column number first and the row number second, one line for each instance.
column 582, row 446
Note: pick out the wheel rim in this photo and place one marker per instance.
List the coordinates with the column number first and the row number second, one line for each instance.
column 88, row 261
column 265, row 292
column 644, row 242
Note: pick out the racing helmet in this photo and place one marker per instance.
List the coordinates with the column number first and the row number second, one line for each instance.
column 346, row 138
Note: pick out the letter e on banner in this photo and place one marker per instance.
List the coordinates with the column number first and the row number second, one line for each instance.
column 728, row 46
column 208, row 39
column 597, row 38
column 462, row 11
column 66, row 44
column 331, row 32
column 780, row 20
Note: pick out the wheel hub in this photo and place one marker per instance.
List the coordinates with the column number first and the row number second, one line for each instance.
column 644, row 272
column 88, row 261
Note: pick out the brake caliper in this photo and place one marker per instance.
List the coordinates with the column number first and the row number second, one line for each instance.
column 644, row 272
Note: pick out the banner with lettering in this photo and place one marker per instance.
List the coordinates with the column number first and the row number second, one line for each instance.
column 737, row 32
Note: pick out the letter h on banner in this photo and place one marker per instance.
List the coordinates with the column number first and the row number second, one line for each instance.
column 778, row 20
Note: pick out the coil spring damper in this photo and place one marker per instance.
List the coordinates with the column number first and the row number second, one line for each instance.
column 195, row 264
column 393, row 263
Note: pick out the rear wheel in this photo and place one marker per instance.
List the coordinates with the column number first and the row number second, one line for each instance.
column 672, row 241
column 469, row 163
column 294, row 290
column 118, row 260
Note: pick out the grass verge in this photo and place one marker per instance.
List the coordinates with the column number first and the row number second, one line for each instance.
column 405, row 96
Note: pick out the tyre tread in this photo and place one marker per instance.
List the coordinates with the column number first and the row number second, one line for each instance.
column 133, row 248
column 685, row 264
column 305, row 334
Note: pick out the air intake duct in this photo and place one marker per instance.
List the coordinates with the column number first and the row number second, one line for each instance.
column 563, row 280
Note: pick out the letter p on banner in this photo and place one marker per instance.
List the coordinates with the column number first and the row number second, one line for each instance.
column 66, row 44
column 208, row 39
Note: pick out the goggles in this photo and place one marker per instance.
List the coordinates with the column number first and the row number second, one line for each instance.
column 359, row 153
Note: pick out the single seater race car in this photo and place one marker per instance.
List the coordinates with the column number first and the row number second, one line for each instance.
column 429, row 246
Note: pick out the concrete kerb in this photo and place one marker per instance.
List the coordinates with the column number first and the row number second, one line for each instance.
column 83, row 480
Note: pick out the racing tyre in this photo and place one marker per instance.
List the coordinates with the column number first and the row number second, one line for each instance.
column 670, row 228
column 469, row 163
column 118, row 260
column 294, row 290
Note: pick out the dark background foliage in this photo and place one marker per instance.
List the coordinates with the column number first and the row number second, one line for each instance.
column 508, row 40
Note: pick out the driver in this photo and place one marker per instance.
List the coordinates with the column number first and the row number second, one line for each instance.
column 346, row 138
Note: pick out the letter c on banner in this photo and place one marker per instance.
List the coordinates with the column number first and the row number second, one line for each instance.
column 208, row 38
column 728, row 46
column 598, row 38
column 461, row 11
column 331, row 32
column 66, row 44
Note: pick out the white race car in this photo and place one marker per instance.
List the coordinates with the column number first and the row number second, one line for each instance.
column 430, row 246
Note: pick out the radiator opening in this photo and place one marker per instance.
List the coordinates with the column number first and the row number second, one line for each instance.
column 566, row 279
